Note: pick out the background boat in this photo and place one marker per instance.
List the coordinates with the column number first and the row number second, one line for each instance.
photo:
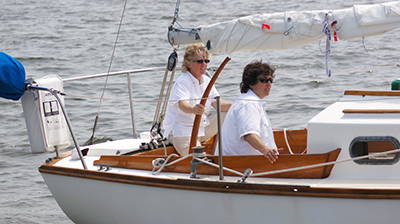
column 73, row 38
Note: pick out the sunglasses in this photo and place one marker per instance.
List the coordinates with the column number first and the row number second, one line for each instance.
column 201, row 61
column 266, row 80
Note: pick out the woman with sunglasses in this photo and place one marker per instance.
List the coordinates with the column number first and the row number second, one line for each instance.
column 247, row 129
column 184, row 101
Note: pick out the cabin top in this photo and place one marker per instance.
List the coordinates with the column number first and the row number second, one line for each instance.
column 362, row 107
column 360, row 123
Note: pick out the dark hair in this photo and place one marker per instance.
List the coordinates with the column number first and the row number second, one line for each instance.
column 252, row 71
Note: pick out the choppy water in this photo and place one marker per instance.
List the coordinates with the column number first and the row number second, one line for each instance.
column 73, row 38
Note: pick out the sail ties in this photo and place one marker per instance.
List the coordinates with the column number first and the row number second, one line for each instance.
column 287, row 32
column 326, row 31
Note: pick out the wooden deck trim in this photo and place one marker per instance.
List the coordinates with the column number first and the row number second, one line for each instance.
column 225, row 187
column 297, row 140
column 371, row 111
column 259, row 164
column 372, row 93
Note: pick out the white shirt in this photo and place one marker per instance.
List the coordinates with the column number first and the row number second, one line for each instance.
column 187, row 88
column 247, row 115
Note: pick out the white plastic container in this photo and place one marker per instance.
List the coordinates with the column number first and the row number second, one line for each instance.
column 45, row 122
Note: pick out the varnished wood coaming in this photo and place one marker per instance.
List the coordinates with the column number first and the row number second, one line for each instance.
column 371, row 111
column 225, row 187
column 239, row 163
column 372, row 93
column 297, row 140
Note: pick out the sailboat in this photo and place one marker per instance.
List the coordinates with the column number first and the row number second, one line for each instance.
column 343, row 168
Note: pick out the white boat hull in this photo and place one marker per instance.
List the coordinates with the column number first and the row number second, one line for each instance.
column 86, row 200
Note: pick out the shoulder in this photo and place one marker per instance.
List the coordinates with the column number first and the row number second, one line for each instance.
column 247, row 103
column 183, row 80
column 206, row 78
column 183, row 77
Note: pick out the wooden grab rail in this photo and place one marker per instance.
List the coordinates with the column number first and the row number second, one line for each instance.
column 372, row 93
column 371, row 111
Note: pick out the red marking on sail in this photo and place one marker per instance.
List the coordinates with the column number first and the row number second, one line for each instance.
column 265, row 26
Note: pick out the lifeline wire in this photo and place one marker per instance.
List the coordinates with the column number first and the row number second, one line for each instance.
column 325, row 164
column 158, row 164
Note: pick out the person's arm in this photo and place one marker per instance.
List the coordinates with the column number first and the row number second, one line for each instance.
column 198, row 109
column 255, row 142
column 224, row 105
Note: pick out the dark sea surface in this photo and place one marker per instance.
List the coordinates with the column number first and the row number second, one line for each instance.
column 75, row 38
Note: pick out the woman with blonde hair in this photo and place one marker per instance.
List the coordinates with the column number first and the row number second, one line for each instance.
column 184, row 103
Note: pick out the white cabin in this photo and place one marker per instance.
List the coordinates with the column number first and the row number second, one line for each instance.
column 361, row 123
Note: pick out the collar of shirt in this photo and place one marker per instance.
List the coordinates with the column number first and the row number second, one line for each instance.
column 196, row 80
column 252, row 96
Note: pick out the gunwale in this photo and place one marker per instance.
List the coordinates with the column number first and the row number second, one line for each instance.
column 249, row 187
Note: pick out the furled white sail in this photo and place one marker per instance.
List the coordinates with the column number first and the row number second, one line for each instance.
column 285, row 30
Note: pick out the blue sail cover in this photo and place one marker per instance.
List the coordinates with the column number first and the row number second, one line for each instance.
column 12, row 77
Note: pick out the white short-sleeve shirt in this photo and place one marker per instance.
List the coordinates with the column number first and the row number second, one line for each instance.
column 247, row 115
column 187, row 88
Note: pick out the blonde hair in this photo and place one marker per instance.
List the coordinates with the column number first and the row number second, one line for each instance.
column 191, row 52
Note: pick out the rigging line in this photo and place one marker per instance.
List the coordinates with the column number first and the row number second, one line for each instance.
column 159, row 116
column 108, row 72
column 156, row 163
column 314, row 101
column 286, row 140
column 217, row 166
column 279, row 71
column 296, row 168
column 160, row 97
column 167, row 95
column 326, row 163
column 178, row 2
column 160, row 163
column 232, row 99
column 336, row 70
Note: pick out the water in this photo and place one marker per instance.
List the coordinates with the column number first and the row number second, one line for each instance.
column 73, row 38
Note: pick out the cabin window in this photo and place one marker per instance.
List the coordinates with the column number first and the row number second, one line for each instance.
column 369, row 145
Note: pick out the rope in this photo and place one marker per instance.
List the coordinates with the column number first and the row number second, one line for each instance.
column 165, row 148
column 286, row 140
column 161, row 163
column 160, row 97
column 159, row 116
column 232, row 99
column 363, row 43
column 108, row 72
column 171, row 81
column 342, row 70
column 217, row 166
column 327, row 32
column 176, row 12
column 325, row 164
